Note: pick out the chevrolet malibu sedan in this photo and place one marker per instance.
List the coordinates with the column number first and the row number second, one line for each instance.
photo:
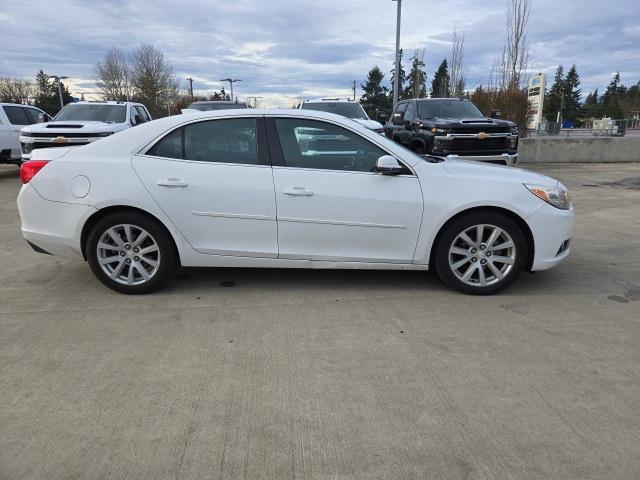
column 286, row 189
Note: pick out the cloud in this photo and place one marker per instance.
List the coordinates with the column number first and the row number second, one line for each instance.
column 283, row 49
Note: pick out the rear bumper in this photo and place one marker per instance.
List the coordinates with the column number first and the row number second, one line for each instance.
column 508, row 159
column 53, row 227
column 552, row 230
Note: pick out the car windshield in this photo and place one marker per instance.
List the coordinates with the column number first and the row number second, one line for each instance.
column 98, row 113
column 448, row 109
column 346, row 109
column 205, row 107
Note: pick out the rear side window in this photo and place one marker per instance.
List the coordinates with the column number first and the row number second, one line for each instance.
column 17, row 115
column 217, row 141
column 169, row 147
column 225, row 141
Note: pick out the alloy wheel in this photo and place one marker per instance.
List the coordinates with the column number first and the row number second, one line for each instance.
column 482, row 255
column 128, row 254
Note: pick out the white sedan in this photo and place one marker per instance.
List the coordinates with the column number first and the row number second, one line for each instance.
column 286, row 189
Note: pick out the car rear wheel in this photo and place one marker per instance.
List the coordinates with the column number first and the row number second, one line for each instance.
column 130, row 253
column 481, row 253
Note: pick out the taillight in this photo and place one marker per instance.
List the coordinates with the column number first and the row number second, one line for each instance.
column 30, row 168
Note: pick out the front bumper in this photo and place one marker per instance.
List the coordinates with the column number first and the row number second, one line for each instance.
column 28, row 144
column 54, row 227
column 552, row 230
column 509, row 159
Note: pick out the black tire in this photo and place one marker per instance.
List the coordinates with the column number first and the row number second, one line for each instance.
column 166, row 256
column 457, row 227
column 419, row 149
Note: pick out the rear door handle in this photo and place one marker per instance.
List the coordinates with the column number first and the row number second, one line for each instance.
column 298, row 191
column 172, row 182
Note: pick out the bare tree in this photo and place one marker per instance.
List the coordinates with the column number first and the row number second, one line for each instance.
column 457, row 72
column 14, row 90
column 152, row 79
column 113, row 76
column 515, row 55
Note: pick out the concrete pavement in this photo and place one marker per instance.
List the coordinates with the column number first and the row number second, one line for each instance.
column 274, row 374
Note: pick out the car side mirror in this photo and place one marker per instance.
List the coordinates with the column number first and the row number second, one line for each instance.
column 388, row 165
column 496, row 114
column 396, row 119
column 382, row 117
column 42, row 118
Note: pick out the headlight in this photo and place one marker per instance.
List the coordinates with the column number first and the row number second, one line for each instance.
column 556, row 197
column 439, row 130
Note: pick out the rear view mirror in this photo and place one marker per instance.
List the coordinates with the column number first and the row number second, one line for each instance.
column 388, row 165
column 397, row 119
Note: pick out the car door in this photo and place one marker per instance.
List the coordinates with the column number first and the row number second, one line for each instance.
column 331, row 204
column 18, row 118
column 213, row 180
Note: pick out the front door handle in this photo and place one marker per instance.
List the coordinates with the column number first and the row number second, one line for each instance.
column 172, row 182
column 298, row 191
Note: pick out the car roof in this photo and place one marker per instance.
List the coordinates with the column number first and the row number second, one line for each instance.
column 110, row 102
column 327, row 100
column 208, row 102
column 436, row 99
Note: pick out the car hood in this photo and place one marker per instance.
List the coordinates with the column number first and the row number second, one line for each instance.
column 489, row 171
column 370, row 124
column 469, row 122
column 73, row 126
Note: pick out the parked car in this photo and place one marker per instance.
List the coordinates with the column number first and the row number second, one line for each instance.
column 344, row 107
column 453, row 127
column 207, row 106
column 81, row 123
column 245, row 188
column 13, row 117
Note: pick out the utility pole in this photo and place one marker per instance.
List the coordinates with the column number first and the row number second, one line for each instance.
column 190, row 87
column 231, row 82
column 561, row 111
column 354, row 90
column 396, row 79
column 57, row 79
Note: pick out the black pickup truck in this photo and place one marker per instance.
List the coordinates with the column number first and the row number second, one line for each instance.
column 452, row 127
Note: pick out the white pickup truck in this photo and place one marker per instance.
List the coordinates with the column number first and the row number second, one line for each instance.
column 13, row 117
column 81, row 123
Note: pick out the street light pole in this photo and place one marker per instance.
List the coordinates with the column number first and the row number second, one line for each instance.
column 57, row 79
column 231, row 82
column 190, row 87
column 396, row 75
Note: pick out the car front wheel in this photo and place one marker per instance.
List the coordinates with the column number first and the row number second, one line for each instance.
column 481, row 253
column 130, row 253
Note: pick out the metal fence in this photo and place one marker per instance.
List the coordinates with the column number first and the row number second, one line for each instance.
column 552, row 129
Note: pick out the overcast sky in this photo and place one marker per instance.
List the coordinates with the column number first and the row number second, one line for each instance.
column 282, row 49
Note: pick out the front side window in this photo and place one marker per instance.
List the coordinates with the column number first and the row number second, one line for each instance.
column 410, row 112
column 321, row 145
column 219, row 141
column 144, row 117
column 99, row 113
column 16, row 115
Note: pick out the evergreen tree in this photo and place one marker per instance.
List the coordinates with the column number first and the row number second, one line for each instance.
column 417, row 87
column 374, row 100
column 611, row 98
column 47, row 95
column 553, row 99
column 402, row 78
column 572, row 95
column 440, row 83
column 591, row 105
